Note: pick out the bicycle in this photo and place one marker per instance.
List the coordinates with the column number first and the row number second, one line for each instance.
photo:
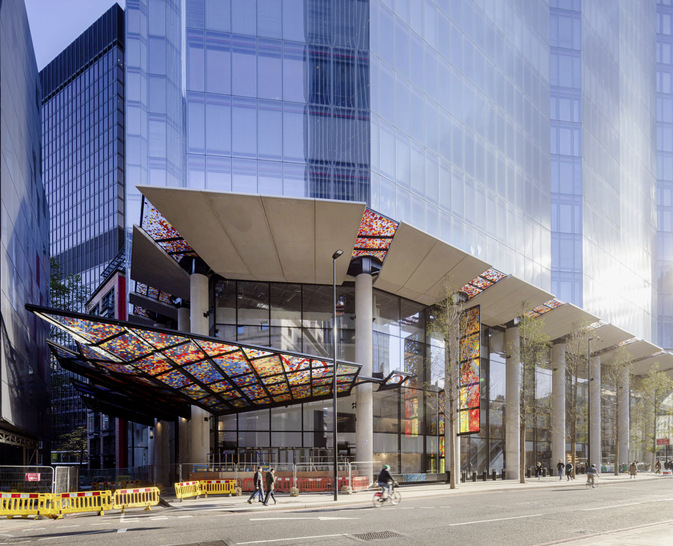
column 589, row 485
column 394, row 498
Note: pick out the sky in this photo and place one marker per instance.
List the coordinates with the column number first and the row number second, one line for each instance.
column 54, row 24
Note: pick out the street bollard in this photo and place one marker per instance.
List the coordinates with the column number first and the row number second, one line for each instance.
column 544, row 472
column 474, row 476
column 448, row 476
column 463, row 477
column 494, row 475
column 485, row 475
column 503, row 473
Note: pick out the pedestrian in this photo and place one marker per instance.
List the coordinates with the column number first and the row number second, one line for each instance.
column 257, row 482
column 538, row 470
column 560, row 467
column 569, row 471
column 657, row 467
column 633, row 470
column 270, row 480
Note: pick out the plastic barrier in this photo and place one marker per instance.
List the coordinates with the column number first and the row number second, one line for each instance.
column 246, row 484
column 217, row 487
column 25, row 504
column 184, row 490
column 314, row 485
column 282, row 485
column 136, row 498
column 89, row 501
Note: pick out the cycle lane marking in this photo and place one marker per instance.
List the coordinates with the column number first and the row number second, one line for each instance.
column 496, row 519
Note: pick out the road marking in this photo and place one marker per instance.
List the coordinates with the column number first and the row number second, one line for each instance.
column 121, row 530
column 33, row 529
column 101, row 524
column 613, row 506
column 66, row 526
column 158, row 517
column 50, row 538
column 321, row 518
column 291, row 538
column 497, row 519
column 185, row 516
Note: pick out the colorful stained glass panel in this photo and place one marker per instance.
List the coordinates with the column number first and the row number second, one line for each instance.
column 255, row 353
column 153, row 364
column 158, row 339
column 213, row 349
column 295, row 363
column 204, row 372
column 233, row 363
column 194, row 391
column 184, row 354
column 468, row 397
column 127, row 347
column 268, row 366
column 90, row 330
column 242, row 380
column 174, row 379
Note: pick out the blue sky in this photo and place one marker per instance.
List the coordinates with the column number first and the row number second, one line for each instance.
column 54, row 24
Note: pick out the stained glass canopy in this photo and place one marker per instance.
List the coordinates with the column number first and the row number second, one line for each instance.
column 219, row 376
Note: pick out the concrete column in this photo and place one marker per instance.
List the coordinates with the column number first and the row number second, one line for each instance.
column 364, row 354
column 623, row 398
column 513, row 406
column 558, row 404
column 183, row 319
column 198, row 318
column 595, row 444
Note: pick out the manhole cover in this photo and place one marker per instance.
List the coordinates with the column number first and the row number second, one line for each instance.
column 378, row 535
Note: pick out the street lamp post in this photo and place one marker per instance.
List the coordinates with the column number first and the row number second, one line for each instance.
column 335, row 256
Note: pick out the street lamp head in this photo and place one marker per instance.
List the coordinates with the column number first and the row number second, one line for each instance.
column 337, row 254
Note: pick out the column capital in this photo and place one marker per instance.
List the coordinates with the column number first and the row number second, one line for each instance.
column 194, row 264
column 364, row 264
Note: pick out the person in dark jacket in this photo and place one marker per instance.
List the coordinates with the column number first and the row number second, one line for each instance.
column 560, row 467
column 257, row 481
column 386, row 481
column 270, row 480
column 538, row 470
column 569, row 471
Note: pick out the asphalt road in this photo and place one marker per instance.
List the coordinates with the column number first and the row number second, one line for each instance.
column 543, row 516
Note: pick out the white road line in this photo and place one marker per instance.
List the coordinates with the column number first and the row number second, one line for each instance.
column 66, row 526
column 185, row 516
column 612, row 506
column 321, row 518
column 121, row 530
column 101, row 524
column 49, row 538
column 497, row 519
column 158, row 517
column 33, row 529
column 290, row 538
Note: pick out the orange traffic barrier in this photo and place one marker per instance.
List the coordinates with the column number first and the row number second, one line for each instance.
column 89, row 501
column 314, row 485
column 283, row 485
column 136, row 498
column 25, row 504
column 217, row 487
column 246, row 484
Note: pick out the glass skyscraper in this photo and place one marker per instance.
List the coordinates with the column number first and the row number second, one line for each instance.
column 520, row 131
column 83, row 173
column 83, row 148
column 24, row 247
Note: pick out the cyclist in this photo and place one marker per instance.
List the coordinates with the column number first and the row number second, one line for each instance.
column 386, row 481
column 591, row 475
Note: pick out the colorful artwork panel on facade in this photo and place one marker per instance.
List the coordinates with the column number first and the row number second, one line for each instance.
column 375, row 236
column 468, row 382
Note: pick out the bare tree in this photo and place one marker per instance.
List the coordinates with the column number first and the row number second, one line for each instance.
column 533, row 350
column 651, row 392
column 576, row 364
column 617, row 366
column 445, row 323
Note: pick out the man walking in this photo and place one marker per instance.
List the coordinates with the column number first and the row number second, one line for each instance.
column 270, row 481
column 560, row 467
column 257, row 482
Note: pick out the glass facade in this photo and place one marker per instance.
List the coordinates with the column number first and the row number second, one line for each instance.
column 83, row 149
column 24, row 247
column 83, row 174
column 664, row 58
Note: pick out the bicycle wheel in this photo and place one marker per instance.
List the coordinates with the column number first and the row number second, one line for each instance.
column 395, row 498
column 377, row 501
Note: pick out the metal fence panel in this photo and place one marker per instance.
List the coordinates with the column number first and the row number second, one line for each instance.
column 26, row 479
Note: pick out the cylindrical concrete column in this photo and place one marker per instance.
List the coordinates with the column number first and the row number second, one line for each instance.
column 512, row 403
column 183, row 319
column 151, row 446
column 595, row 444
column 558, row 403
column 623, row 398
column 159, row 453
column 364, row 354
column 198, row 318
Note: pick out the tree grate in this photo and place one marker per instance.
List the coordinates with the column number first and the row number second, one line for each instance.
column 378, row 535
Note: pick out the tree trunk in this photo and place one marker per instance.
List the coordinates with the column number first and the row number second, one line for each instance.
column 449, row 419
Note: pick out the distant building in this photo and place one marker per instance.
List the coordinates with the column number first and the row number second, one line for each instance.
column 24, row 247
column 83, row 171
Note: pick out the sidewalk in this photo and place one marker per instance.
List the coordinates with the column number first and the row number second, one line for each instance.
column 326, row 499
